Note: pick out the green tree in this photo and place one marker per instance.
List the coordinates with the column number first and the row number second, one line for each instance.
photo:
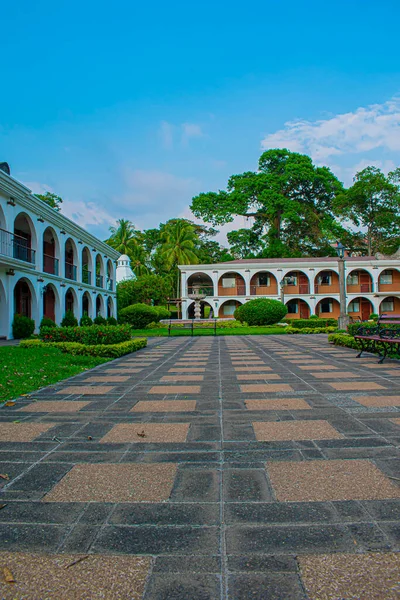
column 245, row 243
column 287, row 191
column 52, row 200
column 373, row 203
column 145, row 289
column 178, row 247
column 128, row 240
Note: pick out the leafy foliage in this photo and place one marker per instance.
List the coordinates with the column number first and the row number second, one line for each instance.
column 139, row 315
column 312, row 323
column 52, row 200
column 69, row 320
column 46, row 322
column 95, row 334
column 261, row 311
column 22, row 327
column 97, row 350
column 144, row 289
column 85, row 321
column 100, row 320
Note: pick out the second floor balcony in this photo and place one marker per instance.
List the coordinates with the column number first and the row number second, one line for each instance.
column 51, row 264
column 99, row 281
column 70, row 271
column 16, row 246
column 86, row 276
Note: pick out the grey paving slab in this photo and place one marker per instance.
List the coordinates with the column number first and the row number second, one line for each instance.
column 223, row 532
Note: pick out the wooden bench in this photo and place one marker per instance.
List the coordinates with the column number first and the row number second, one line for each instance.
column 380, row 337
column 193, row 324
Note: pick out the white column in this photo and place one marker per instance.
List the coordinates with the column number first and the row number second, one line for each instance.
column 247, row 282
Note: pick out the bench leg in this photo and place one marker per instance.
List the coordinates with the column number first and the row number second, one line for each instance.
column 385, row 351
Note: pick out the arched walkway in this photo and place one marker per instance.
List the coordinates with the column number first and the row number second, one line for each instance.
column 51, row 252
column 23, row 298
column 86, row 266
column 297, row 309
column 296, row 282
column 231, row 284
column 86, row 305
column 328, row 308
column 206, row 310
column 200, row 283
column 360, row 308
column 359, row 281
column 99, row 305
column 24, row 239
column 389, row 281
column 50, row 299
column 99, row 271
column 391, row 304
column 110, row 279
column 70, row 260
column 263, row 283
column 326, row 282
column 110, row 307
column 227, row 309
column 71, row 302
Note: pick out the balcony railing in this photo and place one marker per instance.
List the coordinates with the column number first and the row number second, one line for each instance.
column 263, row 290
column 87, row 276
column 16, row 246
column 50, row 264
column 327, row 288
column 238, row 290
column 301, row 288
column 204, row 290
column 99, row 281
column 70, row 271
column 110, row 284
column 362, row 288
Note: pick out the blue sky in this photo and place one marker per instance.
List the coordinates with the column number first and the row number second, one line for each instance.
column 128, row 109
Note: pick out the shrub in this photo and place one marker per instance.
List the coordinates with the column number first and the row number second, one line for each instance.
column 100, row 320
column 69, row 320
column 374, row 316
column 261, row 311
column 300, row 323
column 308, row 330
column 112, row 321
column 139, row 315
column 22, row 327
column 76, row 349
column 85, row 321
column 343, row 339
column 95, row 334
column 46, row 322
column 314, row 317
column 162, row 312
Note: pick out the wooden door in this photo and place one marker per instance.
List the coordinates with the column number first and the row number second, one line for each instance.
column 304, row 310
column 365, row 282
column 303, row 284
column 365, row 310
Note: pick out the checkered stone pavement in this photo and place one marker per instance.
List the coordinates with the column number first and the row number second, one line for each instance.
column 201, row 468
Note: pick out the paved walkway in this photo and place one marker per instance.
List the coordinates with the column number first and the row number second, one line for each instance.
column 206, row 468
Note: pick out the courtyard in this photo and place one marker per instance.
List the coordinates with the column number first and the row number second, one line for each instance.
column 223, row 468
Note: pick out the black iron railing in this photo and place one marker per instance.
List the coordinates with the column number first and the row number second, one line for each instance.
column 16, row 246
column 70, row 271
column 87, row 276
column 50, row 264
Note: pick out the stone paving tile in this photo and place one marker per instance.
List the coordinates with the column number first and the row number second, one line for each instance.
column 265, row 387
column 115, row 483
column 258, row 369
column 86, row 389
column 122, row 371
column 175, row 389
column 107, row 379
column 164, row 406
column 360, row 385
column 295, row 430
column 367, row 576
column 23, row 432
column 73, row 576
column 182, row 378
column 317, row 481
column 147, row 433
column 377, row 400
column 257, row 376
column 187, row 370
column 336, row 375
column 278, row 404
column 66, row 406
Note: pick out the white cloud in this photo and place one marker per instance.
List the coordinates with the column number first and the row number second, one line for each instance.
column 375, row 127
column 191, row 130
column 167, row 134
column 86, row 214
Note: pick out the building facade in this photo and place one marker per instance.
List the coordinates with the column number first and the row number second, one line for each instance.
column 307, row 286
column 48, row 264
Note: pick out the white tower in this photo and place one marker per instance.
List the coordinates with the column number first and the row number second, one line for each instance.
column 124, row 270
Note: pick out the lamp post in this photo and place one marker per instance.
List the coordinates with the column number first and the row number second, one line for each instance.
column 282, row 287
column 344, row 318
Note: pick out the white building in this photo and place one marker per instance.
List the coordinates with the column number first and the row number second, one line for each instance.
column 306, row 285
column 48, row 264
column 124, row 270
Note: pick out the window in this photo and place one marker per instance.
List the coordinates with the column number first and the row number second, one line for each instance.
column 386, row 278
column 352, row 279
column 354, row 306
column 229, row 309
column 291, row 280
column 264, row 279
column 229, row 282
column 387, row 305
column 293, row 307
column 325, row 278
column 326, row 306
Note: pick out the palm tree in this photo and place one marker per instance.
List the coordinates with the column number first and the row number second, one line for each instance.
column 178, row 246
column 127, row 240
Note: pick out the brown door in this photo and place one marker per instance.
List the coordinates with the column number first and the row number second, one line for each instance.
column 365, row 282
column 304, row 310
column 49, row 304
column 365, row 310
column 303, row 284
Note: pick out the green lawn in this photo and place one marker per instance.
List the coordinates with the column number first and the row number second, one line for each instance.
column 162, row 332
column 24, row 370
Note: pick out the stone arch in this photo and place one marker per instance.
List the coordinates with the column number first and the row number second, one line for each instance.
column 296, row 282
column 389, row 304
column 298, row 309
column 328, row 308
column 359, row 281
column 87, row 304
column 206, row 310
column 87, row 266
column 326, row 281
column 263, row 283
column 110, row 307
column 51, row 251
column 99, row 267
column 99, row 305
column 51, row 302
column 71, row 301
column 227, row 308
column 25, row 238
column 71, row 259
column 200, row 282
column 110, row 275
column 389, row 280
column 360, row 308
column 231, row 283
column 25, row 301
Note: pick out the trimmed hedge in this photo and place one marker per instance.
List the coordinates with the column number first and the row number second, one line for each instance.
column 163, row 313
column 139, row 315
column 69, row 320
column 308, row 330
column 343, row 339
column 92, row 335
column 261, row 311
column 22, row 327
column 307, row 323
column 101, row 350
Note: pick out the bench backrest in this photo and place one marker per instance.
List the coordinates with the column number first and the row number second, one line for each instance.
column 389, row 319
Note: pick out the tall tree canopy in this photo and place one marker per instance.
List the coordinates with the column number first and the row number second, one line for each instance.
column 289, row 199
column 373, row 203
column 127, row 240
column 52, row 200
